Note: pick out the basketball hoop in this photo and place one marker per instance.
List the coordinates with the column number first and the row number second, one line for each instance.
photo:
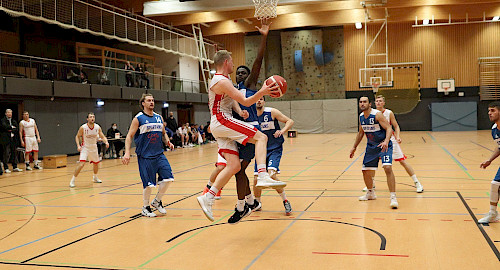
column 375, row 87
column 265, row 9
column 446, row 90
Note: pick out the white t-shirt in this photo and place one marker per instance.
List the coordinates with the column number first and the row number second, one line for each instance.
column 90, row 136
column 28, row 127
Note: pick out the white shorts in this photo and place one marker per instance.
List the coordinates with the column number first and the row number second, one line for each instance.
column 90, row 155
column 397, row 153
column 30, row 144
column 227, row 131
column 220, row 161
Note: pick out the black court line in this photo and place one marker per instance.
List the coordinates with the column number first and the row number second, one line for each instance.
column 423, row 139
column 480, row 227
column 482, row 146
column 132, row 218
column 383, row 240
column 57, row 266
column 28, row 221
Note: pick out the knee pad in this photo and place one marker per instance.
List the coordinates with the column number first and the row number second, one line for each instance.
column 494, row 192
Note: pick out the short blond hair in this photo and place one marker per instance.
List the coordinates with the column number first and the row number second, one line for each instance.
column 380, row 96
column 144, row 95
column 221, row 56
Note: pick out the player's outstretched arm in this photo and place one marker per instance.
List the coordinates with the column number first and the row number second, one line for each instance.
column 134, row 126
column 388, row 131
column 251, row 81
column 79, row 134
column 493, row 157
column 276, row 114
column 359, row 137
column 395, row 124
column 226, row 87
column 101, row 135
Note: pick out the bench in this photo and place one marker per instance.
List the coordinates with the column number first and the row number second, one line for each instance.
column 55, row 161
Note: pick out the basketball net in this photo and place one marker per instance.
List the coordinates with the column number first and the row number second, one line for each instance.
column 446, row 90
column 265, row 9
column 375, row 87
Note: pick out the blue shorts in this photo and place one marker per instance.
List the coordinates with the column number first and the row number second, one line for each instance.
column 273, row 159
column 149, row 167
column 497, row 176
column 247, row 152
column 373, row 154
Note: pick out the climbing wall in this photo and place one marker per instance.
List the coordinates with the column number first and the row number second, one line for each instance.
column 333, row 71
column 271, row 64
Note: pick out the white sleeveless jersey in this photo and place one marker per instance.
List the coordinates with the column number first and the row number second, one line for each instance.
column 28, row 127
column 219, row 105
column 90, row 136
column 387, row 115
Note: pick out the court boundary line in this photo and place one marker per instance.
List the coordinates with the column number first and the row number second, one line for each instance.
column 480, row 227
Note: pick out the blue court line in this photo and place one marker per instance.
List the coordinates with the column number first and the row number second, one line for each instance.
column 453, row 157
column 61, row 232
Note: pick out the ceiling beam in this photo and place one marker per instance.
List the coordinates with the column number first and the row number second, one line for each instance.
column 342, row 17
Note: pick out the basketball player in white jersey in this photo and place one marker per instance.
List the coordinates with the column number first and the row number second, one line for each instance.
column 30, row 137
column 228, row 131
column 88, row 133
column 397, row 153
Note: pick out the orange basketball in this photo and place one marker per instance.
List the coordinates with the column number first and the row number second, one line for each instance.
column 280, row 82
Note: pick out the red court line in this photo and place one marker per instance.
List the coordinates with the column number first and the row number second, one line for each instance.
column 360, row 254
column 446, row 220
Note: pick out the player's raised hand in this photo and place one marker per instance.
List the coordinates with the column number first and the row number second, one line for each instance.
column 126, row 158
column 384, row 145
column 264, row 29
column 485, row 164
column 351, row 154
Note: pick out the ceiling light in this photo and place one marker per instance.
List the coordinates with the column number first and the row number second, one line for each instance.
column 358, row 25
column 100, row 103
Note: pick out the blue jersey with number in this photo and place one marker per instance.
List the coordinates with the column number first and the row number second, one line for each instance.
column 269, row 126
column 375, row 134
column 495, row 133
column 148, row 138
column 252, row 110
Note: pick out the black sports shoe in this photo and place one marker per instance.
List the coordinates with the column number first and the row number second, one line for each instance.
column 238, row 216
column 288, row 207
column 256, row 206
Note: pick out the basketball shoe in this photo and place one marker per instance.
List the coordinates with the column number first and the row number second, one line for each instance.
column 206, row 205
column 256, row 206
column 268, row 182
column 288, row 207
column 368, row 196
column 238, row 216
column 394, row 203
column 147, row 212
column 159, row 206
column 490, row 217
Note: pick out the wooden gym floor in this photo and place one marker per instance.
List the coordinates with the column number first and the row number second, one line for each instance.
column 46, row 225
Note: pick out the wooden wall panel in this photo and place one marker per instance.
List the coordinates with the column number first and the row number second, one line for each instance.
column 235, row 43
column 446, row 51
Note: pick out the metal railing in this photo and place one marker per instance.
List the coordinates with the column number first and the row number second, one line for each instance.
column 101, row 19
column 31, row 67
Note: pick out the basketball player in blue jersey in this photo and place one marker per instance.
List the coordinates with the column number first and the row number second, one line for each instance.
column 494, row 115
column 379, row 146
column 246, row 80
column 269, row 120
column 149, row 150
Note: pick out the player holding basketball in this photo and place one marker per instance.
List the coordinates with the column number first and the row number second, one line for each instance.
column 397, row 153
column 269, row 119
column 30, row 137
column 228, row 130
column 88, row 133
column 379, row 146
column 247, row 81
column 494, row 115
column 150, row 157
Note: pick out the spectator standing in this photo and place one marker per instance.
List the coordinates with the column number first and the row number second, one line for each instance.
column 9, row 141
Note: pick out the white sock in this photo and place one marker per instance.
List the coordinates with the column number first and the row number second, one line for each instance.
column 250, row 199
column 261, row 169
column 146, row 193
column 493, row 208
column 283, row 195
column 414, row 177
column 257, row 198
column 73, row 179
column 36, row 162
column 95, row 176
column 240, row 205
column 393, row 195
column 212, row 192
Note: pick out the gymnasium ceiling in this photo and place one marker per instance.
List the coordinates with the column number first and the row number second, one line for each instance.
column 236, row 16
